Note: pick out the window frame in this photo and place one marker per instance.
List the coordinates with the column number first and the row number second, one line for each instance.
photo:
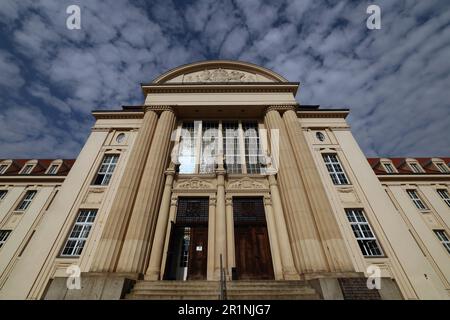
column 26, row 201
column 415, row 167
column 360, row 234
column 334, row 174
column 25, row 166
column 417, row 199
column 106, row 174
column 84, row 230
column 443, row 238
column 3, row 194
column 3, row 168
column 444, row 194
column 387, row 165
column 53, row 165
column 4, row 238
column 442, row 167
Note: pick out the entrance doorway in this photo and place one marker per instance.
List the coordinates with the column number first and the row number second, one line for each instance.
column 253, row 257
column 188, row 245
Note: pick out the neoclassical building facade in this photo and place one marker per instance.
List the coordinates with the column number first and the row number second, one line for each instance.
column 222, row 179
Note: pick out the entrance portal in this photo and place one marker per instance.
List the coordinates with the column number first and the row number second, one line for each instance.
column 253, row 258
column 188, row 245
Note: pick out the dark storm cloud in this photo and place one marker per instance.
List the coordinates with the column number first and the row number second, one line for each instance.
column 395, row 80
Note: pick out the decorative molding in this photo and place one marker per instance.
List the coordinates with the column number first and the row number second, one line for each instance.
column 246, row 184
column 159, row 108
column 281, row 107
column 94, row 196
column 195, row 184
column 348, row 195
column 267, row 200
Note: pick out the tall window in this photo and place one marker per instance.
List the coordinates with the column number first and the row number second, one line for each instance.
column 231, row 147
column 106, row 169
column 4, row 234
column 27, row 169
column 417, row 200
column 442, row 167
column 334, row 167
column 3, row 194
column 443, row 237
column 3, row 168
column 53, row 169
column 444, row 195
column 188, row 145
column 252, row 147
column 210, row 139
column 415, row 168
column 389, row 168
column 80, row 233
column 25, row 203
column 363, row 232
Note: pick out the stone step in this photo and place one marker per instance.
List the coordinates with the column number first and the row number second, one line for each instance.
column 236, row 290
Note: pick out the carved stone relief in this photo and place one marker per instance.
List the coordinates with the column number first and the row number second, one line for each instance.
column 219, row 75
column 94, row 196
column 194, row 183
column 347, row 194
column 247, row 184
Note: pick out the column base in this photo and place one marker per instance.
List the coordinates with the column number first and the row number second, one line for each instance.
column 152, row 275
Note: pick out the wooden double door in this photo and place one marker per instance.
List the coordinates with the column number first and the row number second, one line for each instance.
column 252, row 246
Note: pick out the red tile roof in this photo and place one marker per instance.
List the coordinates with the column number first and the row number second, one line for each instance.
column 402, row 167
column 40, row 168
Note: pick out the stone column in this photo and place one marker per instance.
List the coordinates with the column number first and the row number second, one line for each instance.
column 287, row 260
column 273, row 239
column 304, row 238
column 172, row 218
column 141, row 227
column 108, row 249
column 154, row 267
column 332, row 240
column 231, row 258
column 220, row 247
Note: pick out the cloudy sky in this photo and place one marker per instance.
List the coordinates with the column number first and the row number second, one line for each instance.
column 396, row 80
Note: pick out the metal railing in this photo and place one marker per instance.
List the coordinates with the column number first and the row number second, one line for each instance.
column 223, row 281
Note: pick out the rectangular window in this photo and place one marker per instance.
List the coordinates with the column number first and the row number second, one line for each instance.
column 363, row 232
column 389, row 168
column 416, row 199
column 3, row 194
column 443, row 237
column 27, row 169
column 252, row 147
column 80, row 233
column 3, row 168
column 415, row 168
column 4, row 234
column 25, row 203
column 187, row 154
column 53, row 169
column 231, row 147
column 210, row 139
column 334, row 167
column 106, row 170
column 444, row 195
column 442, row 167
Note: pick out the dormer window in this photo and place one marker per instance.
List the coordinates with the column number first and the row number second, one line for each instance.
column 389, row 168
column 415, row 167
column 442, row 167
column 53, row 169
column 3, row 168
column 27, row 169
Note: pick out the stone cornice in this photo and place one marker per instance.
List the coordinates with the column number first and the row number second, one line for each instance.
column 323, row 114
column 117, row 115
column 399, row 178
column 281, row 107
column 159, row 108
column 221, row 88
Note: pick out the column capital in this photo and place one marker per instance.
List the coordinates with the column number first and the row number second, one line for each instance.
column 267, row 200
column 272, row 180
column 280, row 108
column 212, row 201
column 159, row 108
column 229, row 200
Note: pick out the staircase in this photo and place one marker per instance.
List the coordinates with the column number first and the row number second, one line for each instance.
column 210, row 290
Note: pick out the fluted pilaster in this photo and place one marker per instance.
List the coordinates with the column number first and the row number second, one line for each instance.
column 304, row 238
column 111, row 239
column 145, row 212
column 221, row 229
column 330, row 235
